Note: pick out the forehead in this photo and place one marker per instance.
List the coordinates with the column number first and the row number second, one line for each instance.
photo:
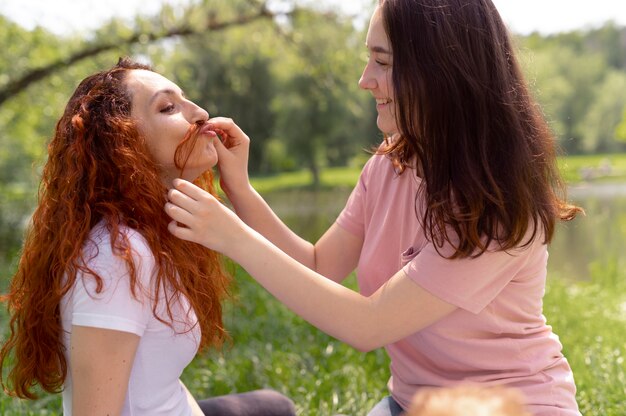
column 376, row 35
column 142, row 84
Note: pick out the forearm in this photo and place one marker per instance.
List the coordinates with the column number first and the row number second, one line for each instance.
column 257, row 214
column 398, row 308
column 333, row 308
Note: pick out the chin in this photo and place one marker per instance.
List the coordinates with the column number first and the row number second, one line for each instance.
column 192, row 173
column 386, row 126
column 387, row 130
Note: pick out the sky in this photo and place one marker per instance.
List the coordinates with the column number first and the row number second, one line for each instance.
column 522, row 16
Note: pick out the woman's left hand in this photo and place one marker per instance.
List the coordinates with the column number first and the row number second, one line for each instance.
column 232, row 151
column 199, row 217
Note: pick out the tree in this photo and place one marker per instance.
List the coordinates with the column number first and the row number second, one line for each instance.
column 25, row 123
column 190, row 24
column 564, row 82
column 322, row 115
column 231, row 74
column 620, row 130
column 605, row 112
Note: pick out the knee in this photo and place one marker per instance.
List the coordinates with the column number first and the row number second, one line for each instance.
column 279, row 404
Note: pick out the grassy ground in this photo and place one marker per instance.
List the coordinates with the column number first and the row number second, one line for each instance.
column 590, row 318
column 573, row 169
column 593, row 168
column 330, row 178
column 273, row 348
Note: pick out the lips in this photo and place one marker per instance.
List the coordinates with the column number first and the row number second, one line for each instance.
column 207, row 129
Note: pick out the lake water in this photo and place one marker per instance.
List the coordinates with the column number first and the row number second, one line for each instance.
column 597, row 238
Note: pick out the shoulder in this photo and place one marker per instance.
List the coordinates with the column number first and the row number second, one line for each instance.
column 100, row 239
column 380, row 174
column 112, row 258
column 377, row 165
column 113, row 288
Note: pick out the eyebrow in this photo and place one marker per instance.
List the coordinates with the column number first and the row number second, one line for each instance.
column 167, row 91
column 379, row 49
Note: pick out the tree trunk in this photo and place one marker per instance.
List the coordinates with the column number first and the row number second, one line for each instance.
column 315, row 174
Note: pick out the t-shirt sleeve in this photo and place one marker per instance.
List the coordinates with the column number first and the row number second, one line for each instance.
column 114, row 307
column 468, row 283
column 352, row 217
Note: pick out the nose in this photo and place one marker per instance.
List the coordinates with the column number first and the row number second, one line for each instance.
column 367, row 80
column 197, row 114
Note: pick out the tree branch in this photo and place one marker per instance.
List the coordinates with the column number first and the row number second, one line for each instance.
column 14, row 87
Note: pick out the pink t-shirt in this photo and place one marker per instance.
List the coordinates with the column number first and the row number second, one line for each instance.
column 497, row 336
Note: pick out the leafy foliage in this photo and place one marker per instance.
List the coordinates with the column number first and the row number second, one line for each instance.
column 577, row 77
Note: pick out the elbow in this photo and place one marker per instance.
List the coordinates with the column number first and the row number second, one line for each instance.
column 366, row 333
column 364, row 348
column 365, row 343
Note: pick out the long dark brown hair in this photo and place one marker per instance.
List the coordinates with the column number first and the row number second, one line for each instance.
column 470, row 127
column 99, row 169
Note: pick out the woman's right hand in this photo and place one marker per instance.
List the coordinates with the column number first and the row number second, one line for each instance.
column 199, row 217
column 232, row 153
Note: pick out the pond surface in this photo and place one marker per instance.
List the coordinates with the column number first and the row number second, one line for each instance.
column 596, row 239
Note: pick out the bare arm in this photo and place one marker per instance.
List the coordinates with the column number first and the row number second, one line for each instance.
column 101, row 361
column 255, row 212
column 335, row 255
column 399, row 308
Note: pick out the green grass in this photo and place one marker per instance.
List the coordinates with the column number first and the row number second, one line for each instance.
column 573, row 169
column 330, row 178
column 273, row 348
column 593, row 167
column 590, row 318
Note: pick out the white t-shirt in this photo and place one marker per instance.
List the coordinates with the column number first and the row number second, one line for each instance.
column 154, row 387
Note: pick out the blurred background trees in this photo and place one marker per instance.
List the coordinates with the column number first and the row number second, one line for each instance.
column 578, row 77
column 288, row 77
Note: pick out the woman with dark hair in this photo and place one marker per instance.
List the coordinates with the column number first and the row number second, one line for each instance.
column 447, row 227
column 106, row 304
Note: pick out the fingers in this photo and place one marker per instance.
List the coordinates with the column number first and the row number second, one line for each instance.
column 222, row 150
column 232, row 134
column 179, row 214
column 226, row 124
column 183, row 233
column 188, row 189
column 186, row 201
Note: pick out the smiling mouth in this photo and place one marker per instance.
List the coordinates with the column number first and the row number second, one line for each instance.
column 382, row 101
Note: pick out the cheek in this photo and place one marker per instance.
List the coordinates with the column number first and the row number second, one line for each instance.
column 389, row 84
column 161, row 145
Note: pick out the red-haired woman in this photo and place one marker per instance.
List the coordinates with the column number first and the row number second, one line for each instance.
column 447, row 228
column 106, row 304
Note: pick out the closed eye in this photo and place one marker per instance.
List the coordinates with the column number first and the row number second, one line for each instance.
column 167, row 109
column 378, row 61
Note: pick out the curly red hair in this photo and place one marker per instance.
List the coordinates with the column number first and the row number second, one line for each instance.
column 99, row 169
